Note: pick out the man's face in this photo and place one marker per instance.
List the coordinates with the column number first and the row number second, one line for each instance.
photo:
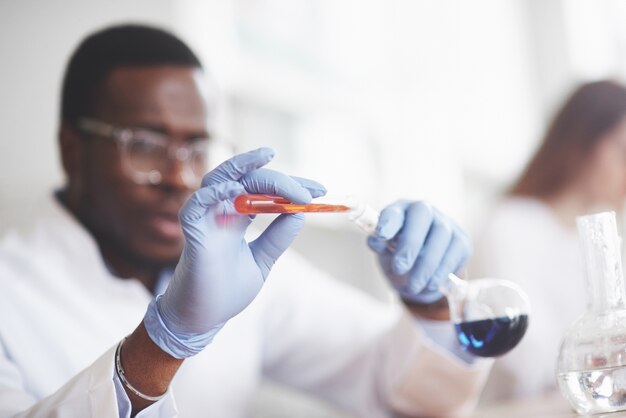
column 141, row 220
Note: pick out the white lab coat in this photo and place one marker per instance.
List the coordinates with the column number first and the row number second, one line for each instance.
column 63, row 312
column 525, row 242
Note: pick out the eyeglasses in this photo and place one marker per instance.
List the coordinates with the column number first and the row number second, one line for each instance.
column 148, row 155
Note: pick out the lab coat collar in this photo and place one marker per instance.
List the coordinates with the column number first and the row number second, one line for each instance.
column 69, row 231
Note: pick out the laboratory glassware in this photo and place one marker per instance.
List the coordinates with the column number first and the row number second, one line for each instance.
column 591, row 364
column 490, row 316
column 263, row 203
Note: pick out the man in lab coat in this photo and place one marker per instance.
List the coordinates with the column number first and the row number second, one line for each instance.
column 82, row 334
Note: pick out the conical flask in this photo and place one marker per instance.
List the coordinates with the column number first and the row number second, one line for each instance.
column 591, row 365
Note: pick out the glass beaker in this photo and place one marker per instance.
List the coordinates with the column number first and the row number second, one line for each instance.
column 591, row 365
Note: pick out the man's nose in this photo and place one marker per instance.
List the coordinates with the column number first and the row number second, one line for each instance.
column 178, row 173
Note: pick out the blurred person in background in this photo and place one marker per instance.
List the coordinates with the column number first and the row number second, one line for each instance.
column 531, row 237
column 139, row 217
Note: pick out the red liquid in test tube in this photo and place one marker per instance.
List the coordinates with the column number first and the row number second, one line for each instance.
column 254, row 204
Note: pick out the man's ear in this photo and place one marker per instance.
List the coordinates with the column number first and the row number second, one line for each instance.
column 70, row 142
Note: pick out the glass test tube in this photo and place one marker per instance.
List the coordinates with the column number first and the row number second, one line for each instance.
column 253, row 204
column 362, row 215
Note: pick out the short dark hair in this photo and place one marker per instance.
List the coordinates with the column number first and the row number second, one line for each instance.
column 113, row 47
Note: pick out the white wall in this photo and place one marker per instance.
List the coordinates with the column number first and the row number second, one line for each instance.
column 378, row 99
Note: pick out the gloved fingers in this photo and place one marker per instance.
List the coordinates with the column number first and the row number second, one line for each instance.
column 239, row 165
column 409, row 241
column 275, row 183
column 391, row 220
column 202, row 199
column 378, row 245
column 316, row 189
column 275, row 239
column 430, row 256
column 457, row 254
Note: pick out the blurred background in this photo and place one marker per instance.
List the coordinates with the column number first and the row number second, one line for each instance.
column 442, row 100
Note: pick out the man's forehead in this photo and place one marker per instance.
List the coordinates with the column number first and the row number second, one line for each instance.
column 154, row 90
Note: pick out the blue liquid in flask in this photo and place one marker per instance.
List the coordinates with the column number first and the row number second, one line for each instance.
column 491, row 337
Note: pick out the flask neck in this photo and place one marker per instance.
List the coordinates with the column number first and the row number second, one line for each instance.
column 602, row 259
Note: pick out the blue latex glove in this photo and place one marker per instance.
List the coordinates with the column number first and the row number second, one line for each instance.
column 425, row 247
column 219, row 273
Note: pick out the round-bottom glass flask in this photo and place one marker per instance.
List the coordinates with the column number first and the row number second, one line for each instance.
column 591, row 365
